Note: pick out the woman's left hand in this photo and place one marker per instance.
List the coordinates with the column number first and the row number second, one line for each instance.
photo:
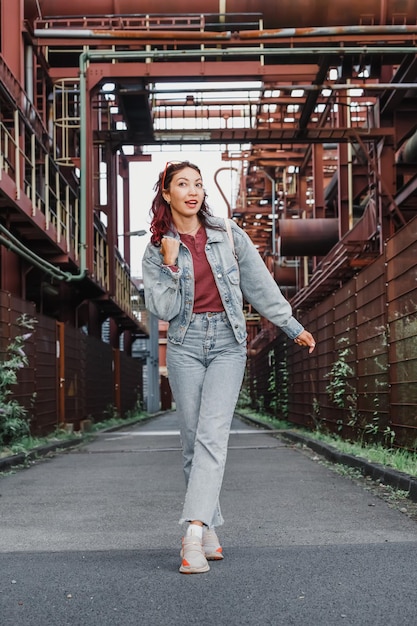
column 306, row 339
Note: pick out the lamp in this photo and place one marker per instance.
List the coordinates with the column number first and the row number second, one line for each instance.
column 133, row 233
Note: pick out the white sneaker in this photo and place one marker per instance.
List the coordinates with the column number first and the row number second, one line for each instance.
column 211, row 545
column 193, row 558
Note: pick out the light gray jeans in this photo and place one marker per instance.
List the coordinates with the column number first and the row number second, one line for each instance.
column 205, row 374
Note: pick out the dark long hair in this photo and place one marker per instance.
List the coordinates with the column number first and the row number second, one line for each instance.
column 161, row 211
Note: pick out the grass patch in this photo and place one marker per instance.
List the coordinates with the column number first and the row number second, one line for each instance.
column 401, row 460
column 265, row 419
column 28, row 443
column 118, row 421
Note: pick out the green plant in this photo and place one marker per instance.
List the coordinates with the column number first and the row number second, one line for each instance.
column 14, row 419
column 282, row 392
column 244, row 400
column 111, row 412
column 315, row 415
column 272, row 382
column 402, row 460
column 339, row 389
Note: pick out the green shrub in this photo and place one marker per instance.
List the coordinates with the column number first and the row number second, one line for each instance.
column 14, row 418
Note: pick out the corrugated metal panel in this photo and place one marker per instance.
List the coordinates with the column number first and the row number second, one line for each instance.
column 99, row 377
column 88, row 372
column 131, row 387
column 75, row 375
column 401, row 253
column 372, row 319
column 45, row 406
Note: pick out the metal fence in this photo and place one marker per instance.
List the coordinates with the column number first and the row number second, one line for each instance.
column 71, row 377
column 361, row 381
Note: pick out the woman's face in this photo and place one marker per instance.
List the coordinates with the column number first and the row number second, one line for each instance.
column 185, row 194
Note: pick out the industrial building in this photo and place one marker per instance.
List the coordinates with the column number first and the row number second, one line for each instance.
column 313, row 107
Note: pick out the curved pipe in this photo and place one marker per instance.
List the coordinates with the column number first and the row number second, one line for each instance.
column 222, row 169
column 34, row 259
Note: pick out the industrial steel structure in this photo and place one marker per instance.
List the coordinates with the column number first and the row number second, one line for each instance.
column 312, row 104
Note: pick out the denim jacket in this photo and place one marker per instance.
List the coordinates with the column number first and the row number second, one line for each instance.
column 170, row 295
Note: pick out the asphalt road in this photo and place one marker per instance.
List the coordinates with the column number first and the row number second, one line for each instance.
column 91, row 537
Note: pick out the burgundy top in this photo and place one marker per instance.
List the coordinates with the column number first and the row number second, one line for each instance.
column 206, row 294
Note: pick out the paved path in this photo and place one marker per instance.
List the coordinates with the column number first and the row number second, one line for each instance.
column 91, row 537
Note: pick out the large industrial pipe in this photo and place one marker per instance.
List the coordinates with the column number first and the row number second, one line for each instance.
column 307, row 237
column 81, row 33
column 409, row 153
column 284, row 275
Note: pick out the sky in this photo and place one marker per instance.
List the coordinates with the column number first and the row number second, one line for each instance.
column 143, row 176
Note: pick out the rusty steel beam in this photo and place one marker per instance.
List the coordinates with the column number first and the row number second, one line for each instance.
column 291, row 13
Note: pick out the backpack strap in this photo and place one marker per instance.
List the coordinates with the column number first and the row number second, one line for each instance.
column 230, row 235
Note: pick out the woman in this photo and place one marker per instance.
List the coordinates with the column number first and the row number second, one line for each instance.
column 195, row 276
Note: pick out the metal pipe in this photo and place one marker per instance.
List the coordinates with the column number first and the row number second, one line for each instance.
column 83, row 162
column 279, row 33
column 328, row 31
column 80, row 33
column 34, row 259
column 104, row 55
column 29, row 72
column 308, row 237
column 223, row 195
column 409, row 153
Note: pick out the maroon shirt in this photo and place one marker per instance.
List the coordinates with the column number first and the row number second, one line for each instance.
column 206, row 294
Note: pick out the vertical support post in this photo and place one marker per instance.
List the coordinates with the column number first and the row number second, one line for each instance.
column 344, row 153
column 318, row 185
column 85, row 170
column 112, row 213
column 17, row 154
column 124, row 173
column 386, row 188
column 67, row 218
column 274, row 215
column 116, row 380
column 11, row 20
column 47, row 214
column 318, row 182
column 58, row 207
column 33, row 172
column 152, row 363
column 60, row 360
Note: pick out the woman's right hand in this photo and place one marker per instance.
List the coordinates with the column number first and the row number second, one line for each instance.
column 170, row 248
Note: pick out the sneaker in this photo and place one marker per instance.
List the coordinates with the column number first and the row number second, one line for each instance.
column 211, row 545
column 193, row 559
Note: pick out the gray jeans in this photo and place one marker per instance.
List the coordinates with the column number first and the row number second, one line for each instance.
column 205, row 374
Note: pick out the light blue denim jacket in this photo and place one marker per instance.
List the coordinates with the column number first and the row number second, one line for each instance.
column 170, row 295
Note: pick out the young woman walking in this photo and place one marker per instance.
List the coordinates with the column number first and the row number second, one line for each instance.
column 197, row 269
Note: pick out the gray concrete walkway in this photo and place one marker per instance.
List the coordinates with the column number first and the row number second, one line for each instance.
column 91, row 537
